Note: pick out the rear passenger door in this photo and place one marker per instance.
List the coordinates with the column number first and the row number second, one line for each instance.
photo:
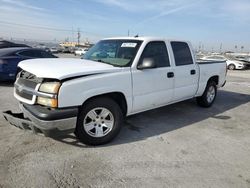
column 153, row 87
column 186, row 71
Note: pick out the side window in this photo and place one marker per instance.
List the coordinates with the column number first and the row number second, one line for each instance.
column 182, row 54
column 45, row 54
column 31, row 53
column 26, row 53
column 157, row 51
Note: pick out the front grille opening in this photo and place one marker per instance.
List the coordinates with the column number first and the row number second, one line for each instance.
column 24, row 95
column 28, row 81
column 29, row 76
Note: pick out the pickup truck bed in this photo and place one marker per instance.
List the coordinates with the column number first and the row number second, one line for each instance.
column 215, row 69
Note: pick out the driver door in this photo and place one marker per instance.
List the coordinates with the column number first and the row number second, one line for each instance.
column 153, row 87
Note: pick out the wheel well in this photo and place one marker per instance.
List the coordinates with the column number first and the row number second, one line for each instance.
column 118, row 97
column 18, row 70
column 215, row 79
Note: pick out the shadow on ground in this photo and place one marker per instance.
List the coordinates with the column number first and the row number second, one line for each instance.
column 169, row 118
column 7, row 83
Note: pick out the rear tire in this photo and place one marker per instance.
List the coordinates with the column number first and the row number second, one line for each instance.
column 209, row 95
column 231, row 67
column 99, row 121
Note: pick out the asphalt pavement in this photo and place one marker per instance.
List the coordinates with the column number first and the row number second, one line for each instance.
column 181, row 145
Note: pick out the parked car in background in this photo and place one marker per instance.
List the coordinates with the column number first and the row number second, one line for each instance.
column 10, row 57
column 214, row 58
column 247, row 59
column 54, row 50
column 81, row 51
column 66, row 50
column 232, row 64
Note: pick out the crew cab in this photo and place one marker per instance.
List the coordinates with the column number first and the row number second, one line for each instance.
column 118, row 77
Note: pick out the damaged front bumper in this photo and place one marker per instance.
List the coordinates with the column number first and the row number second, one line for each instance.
column 50, row 122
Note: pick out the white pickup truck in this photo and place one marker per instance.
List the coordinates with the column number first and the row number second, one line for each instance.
column 118, row 77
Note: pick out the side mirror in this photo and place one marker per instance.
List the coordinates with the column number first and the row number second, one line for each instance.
column 147, row 63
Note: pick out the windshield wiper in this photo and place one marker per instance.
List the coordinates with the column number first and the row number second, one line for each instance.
column 100, row 60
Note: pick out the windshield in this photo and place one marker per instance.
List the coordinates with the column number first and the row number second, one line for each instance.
column 119, row 53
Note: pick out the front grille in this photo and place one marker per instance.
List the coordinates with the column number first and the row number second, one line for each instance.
column 26, row 84
column 29, row 76
column 24, row 95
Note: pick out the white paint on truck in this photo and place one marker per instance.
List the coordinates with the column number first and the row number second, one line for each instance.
column 153, row 72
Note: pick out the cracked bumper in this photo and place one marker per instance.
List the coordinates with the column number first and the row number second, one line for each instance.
column 41, row 120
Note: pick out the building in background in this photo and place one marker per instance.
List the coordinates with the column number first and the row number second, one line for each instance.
column 76, row 44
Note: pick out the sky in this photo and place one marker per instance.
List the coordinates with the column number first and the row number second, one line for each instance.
column 207, row 23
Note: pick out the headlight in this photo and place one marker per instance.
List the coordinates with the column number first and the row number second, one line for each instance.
column 50, row 87
column 47, row 102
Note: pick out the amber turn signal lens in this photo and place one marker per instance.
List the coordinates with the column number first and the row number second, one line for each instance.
column 53, row 103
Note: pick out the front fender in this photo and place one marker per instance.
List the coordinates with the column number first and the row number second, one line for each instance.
column 75, row 92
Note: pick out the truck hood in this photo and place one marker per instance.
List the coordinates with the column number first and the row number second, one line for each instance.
column 62, row 68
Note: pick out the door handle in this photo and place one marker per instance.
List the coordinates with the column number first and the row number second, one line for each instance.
column 170, row 74
column 192, row 72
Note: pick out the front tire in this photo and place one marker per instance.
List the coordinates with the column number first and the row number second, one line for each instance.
column 209, row 95
column 99, row 121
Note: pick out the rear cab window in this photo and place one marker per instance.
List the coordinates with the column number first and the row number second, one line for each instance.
column 182, row 53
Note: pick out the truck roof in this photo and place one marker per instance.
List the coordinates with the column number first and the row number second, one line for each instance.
column 145, row 38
